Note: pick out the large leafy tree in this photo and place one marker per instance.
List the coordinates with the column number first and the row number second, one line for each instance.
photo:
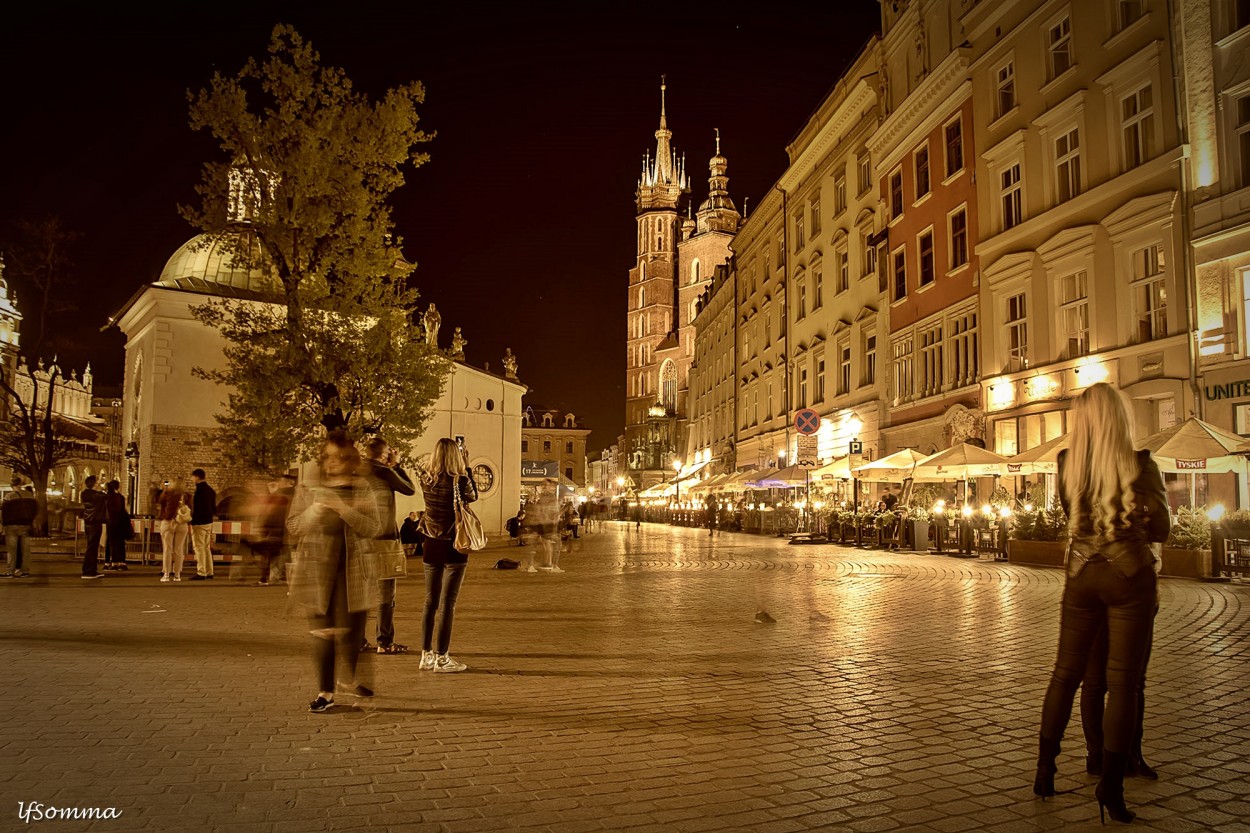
column 300, row 197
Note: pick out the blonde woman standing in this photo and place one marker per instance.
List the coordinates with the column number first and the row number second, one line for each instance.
column 173, row 527
column 1117, row 507
column 443, row 478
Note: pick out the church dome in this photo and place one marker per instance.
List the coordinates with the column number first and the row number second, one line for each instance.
column 208, row 259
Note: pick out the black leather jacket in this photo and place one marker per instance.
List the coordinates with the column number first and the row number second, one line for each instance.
column 1128, row 548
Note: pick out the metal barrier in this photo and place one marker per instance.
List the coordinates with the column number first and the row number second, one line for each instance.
column 1235, row 559
column 147, row 544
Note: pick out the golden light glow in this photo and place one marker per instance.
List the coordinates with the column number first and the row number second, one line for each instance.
column 1002, row 394
column 1216, row 512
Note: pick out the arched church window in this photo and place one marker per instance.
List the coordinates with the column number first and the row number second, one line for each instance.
column 668, row 385
column 642, row 297
column 695, row 271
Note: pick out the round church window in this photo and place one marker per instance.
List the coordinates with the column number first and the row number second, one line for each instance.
column 483, row 478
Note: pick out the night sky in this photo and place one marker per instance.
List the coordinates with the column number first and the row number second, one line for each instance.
column 522, row 222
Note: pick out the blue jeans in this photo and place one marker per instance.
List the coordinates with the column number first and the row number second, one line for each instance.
column 442, row 586
column 17, row 539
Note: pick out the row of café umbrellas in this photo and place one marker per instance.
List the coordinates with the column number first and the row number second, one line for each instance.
column 1192, row 446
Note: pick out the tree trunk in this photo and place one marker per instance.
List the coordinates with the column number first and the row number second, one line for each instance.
column 39, row 528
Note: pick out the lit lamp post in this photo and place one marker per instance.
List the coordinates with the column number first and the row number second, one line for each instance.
column 676, row 486
column 855, row 447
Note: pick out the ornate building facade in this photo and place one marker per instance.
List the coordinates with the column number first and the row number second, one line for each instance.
column 676, row 257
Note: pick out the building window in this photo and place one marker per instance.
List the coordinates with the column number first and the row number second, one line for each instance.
column 844, row 269
column 815, row 217
column 1074, row 314
column 870, row 360
column 1136, row 115
column 931, row 361
column 1017, row 333
column 800, row 240
column 1243, row 138
column 1006, row 85
column 1128, row 12
column 959, row 238
column 568, row 448
column 546, row 446
column 818, row 286
column 926, row 258
column 1150, row 308
column 696, row 271
column 525, row 446
column 839, row 194
column 568, row 472
column 900, row 274
column 800, row 306
column 844, row 368
column 1068, row 165
column 901, row 366
column 1241, row 14
column 965, row 364
column 896, row 195
column 1059, row 45
column 768, row 331
column 870, row 255
column 803, row 387
column 922, row 172
column 954, row 147
column 820, row 380
column 865, row 173
column 1010, row 192
column 668, row 386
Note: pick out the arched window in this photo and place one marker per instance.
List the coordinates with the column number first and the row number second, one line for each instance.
column 696, row 272
column 694, row 310
column 668, row 385
column 642, row 297
column 548, row 422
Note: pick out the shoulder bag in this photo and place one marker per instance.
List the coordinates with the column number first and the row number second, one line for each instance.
column 469, row 534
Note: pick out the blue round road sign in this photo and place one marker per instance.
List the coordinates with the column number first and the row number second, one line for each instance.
column 806, row 421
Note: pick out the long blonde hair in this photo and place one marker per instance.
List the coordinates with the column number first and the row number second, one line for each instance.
column 446, row 459
column 1101, row 464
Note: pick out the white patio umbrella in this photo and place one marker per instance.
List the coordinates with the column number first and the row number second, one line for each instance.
column 892, row 468
column 1197, row 447
column 1041, row 459
column 962, row 462
column 839, row 469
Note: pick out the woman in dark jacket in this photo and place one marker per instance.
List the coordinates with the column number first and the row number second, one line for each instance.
column 443, row 478
column 117, row 522
column 1117, row 507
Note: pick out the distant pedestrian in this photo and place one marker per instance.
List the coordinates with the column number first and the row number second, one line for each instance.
column 268, row 504
column 389, row 478
column 117, row 525
column 1117, row 506
column 93, row 525
column 541, row 516
column 17, row 513
column 335, row 521
column 713, row 506
column 444, row 480
column 174, row 516
column 408, row 535
column 203, row 508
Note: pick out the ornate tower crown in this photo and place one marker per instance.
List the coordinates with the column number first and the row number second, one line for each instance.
column 717, row 213
column 663, row 179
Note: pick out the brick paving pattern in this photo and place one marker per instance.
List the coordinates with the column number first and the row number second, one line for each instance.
column 634, row 692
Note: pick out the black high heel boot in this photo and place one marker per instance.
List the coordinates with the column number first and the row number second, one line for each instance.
column 1138, row 768
column 1044, row 779
column 1110, row 790
column 1093, row 762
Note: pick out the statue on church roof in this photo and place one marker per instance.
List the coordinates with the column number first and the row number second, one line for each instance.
column 432, row 321
column 509, row 364
column 458, row 343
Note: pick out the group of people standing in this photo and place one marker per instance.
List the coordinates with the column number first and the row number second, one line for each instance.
column 341, row 524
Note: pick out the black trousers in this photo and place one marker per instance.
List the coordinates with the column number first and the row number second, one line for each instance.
column 115, row 546
column 91, row 558
column 1097, row 599
column 1094, row 694
column 338, row 633
column 442, row 587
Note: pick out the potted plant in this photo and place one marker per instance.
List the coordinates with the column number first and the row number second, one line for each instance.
column 1187, row 553
column 1038, row 535
column 1236, row 524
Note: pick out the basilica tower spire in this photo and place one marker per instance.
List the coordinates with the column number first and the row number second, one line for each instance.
column 663, row 179
column 717, row 213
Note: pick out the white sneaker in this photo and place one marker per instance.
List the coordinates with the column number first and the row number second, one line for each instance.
column 532, row 569
column 545, row 569
column 165, row 578
column 177, row 578
column 427, row 661
column 446, row 664
column 556, row 570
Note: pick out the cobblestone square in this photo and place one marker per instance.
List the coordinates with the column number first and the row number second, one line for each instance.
column 635, row 692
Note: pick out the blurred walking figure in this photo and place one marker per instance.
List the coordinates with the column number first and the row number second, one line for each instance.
column 712, row 508
column 540, row 515
column 93, row 524
column 336, row 576
column 266, row 511
column 203, row 508
column 444, row 478
column 1116, row 507
column 117, row 523
column 17, row 514
column 173, row 515
column 387, row 477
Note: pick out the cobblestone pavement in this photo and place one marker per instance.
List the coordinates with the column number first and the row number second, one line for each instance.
column 634, row 692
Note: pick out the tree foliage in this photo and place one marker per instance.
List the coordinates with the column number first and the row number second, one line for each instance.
column 301, row 199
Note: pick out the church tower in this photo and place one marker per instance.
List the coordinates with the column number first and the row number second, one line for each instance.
column 676, row 258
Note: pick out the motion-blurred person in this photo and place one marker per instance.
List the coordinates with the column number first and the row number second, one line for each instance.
column 336, row 579
column 17, row 514
column 540, row 514
column 444, row 478
column 388, row 478
column 173, row 528
column 713, row 506
column 117, row 524
column 93, row 525
column 266, row 511
column 203, row 508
